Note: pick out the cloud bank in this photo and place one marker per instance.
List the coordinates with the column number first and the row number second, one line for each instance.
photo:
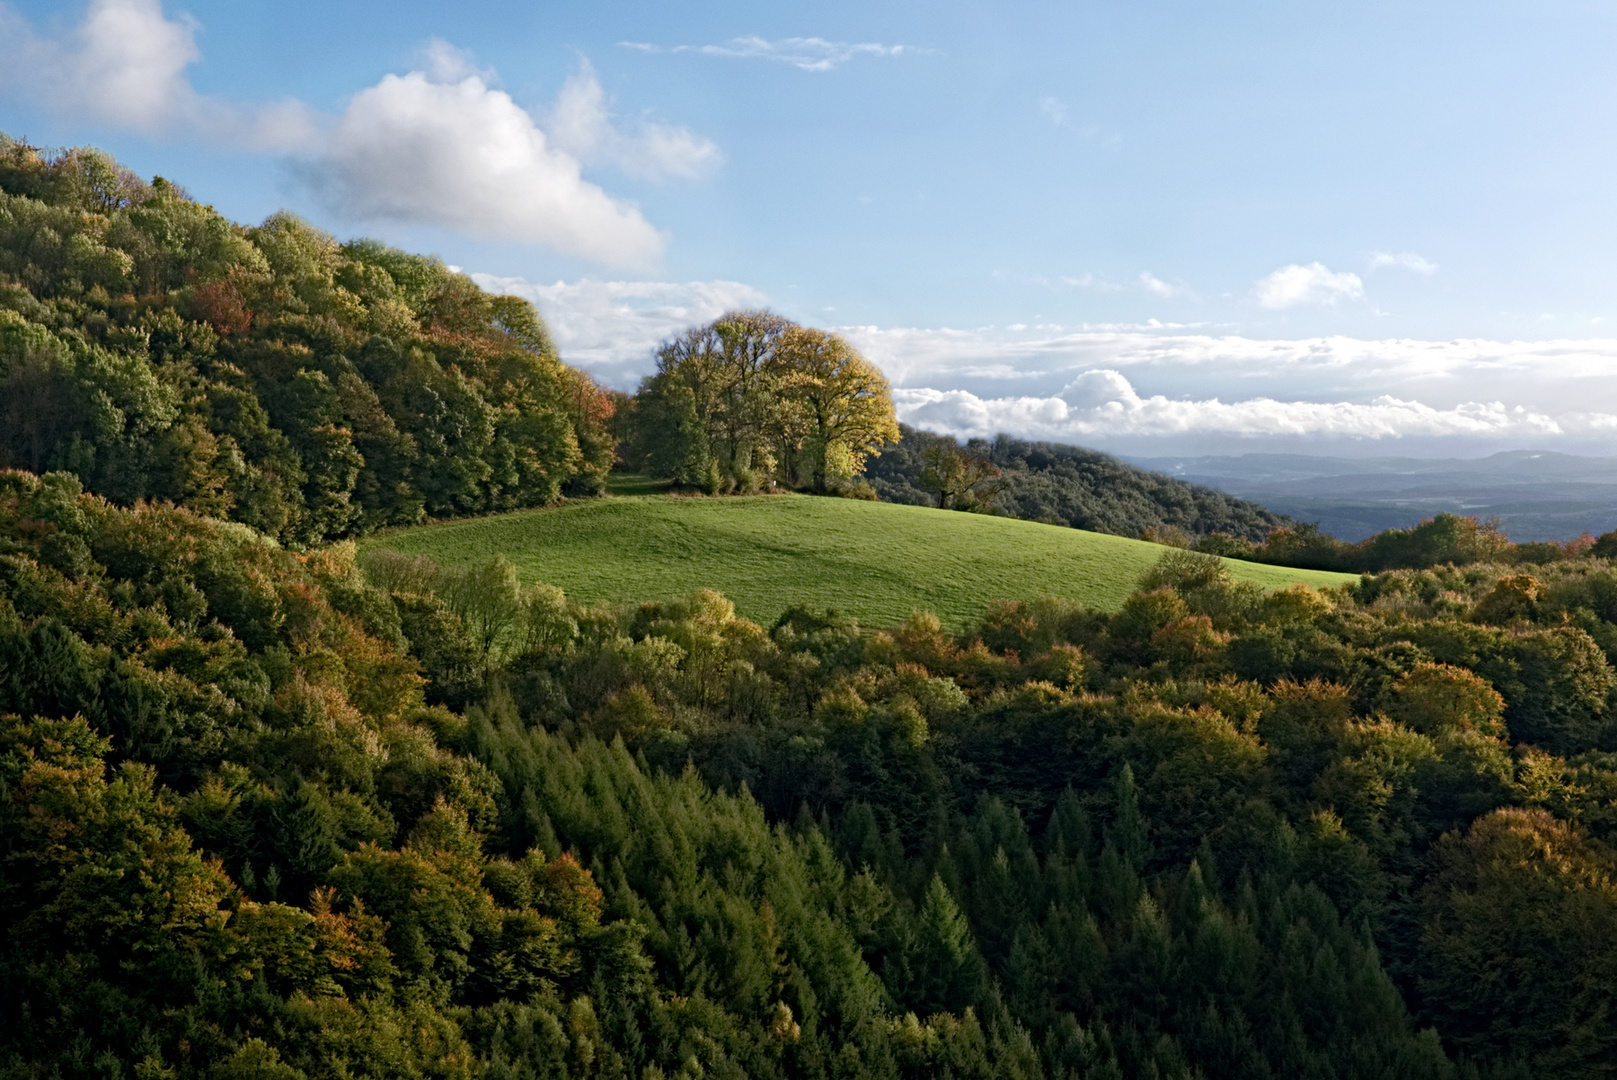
column 1103, row 404
column 1081, row 385
column 439, row 146
column 1356, row 367
column 1084, row 384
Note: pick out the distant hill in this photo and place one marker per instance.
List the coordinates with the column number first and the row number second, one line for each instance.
column 1535, row 494
column 1085, row 489
column 875, row 562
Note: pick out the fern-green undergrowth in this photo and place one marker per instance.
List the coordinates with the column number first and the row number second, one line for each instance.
column 875, row 561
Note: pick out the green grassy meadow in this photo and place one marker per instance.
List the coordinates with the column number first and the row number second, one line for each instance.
column 875, row 561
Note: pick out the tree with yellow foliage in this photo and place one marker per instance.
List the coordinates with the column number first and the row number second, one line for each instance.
column 839, row 401
column 753, row 399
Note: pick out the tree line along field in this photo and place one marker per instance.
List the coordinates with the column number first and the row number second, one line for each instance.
column 876, row 562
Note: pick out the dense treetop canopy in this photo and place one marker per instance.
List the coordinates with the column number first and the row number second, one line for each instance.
column 752, row 400
column 268, row 374
column 274, row 814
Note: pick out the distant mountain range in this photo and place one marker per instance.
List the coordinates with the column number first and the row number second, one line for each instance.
column 1535, row 494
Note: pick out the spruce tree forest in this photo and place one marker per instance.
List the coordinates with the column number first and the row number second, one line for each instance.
column 270, row 808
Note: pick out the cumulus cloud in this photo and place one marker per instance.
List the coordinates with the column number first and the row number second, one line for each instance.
column 1315, row 283
column 440, row 146
column 613, row 328
column 580, row 123
column 806, row 53
column 125, row 65
column 464, row 156
column 444, row 147
column 1405, row 260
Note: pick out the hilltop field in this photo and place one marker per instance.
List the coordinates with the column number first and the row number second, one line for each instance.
column 875, row 561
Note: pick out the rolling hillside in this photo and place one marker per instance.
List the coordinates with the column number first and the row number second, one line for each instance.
column 1069, row 485
column 875, row 561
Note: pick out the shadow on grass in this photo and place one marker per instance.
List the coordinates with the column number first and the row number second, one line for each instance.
column 636, row 484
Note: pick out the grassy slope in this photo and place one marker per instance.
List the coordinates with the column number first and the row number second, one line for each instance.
column 876, row 561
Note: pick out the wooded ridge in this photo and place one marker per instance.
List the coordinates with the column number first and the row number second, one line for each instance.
column 268, row 375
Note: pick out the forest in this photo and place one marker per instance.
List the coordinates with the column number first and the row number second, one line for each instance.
column 268, row 375
column 1060, row 485
column 273, row 809
column 272, row 814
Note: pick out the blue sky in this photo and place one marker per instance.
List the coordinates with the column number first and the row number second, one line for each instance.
column 1367, row 228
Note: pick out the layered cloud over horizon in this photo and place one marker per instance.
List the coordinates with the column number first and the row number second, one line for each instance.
column 1141, row 385
column 1102, row 403
column 1145, row 386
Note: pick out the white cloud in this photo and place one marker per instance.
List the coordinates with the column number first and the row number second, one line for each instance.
column 131, row 63
column 466, row 157
column 580, row 123
column 1312, row 284
column 1406, row 260
column 125, row 65
column 1085, row 280
column 1054, row 110
column 1081, row 385
column 613, row 328
column 1285, row 367
column 438, row 146
column 444, row 62
column 1102, row 404
column 806, row 53
column 1217, row 391
column 1155, row 285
